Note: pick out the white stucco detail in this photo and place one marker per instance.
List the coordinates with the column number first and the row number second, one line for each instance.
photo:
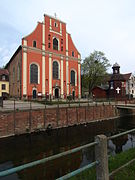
column 24, row 73
column 67, row 79
column 66, row 44
column 50, row 23
column 50, row 74
column 79, row 81
column 43, row 75
column 25, row 42
column 43, row 36
column 60, row 28
column 61, row 77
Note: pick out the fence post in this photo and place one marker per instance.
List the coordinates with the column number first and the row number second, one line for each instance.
column 45, row 114
column 14, row 117
column 30, row 117
column 102, row 158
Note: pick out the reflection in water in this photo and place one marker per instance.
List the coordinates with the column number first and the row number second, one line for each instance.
column 19, row 150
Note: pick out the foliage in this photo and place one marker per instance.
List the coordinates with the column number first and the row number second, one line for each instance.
column 114, row 162
column 94, row 68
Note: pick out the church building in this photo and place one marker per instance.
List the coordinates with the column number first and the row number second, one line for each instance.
column 46, row 64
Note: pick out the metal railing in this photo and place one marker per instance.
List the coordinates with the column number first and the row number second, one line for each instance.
column 101, row 157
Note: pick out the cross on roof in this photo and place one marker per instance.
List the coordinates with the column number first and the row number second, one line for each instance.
column 118, row 90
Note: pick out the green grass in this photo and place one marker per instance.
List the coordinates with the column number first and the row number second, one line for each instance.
column 115, row 162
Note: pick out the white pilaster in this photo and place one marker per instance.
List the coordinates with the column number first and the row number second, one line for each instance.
column 67, row 78
column 79, row 81
column 43, row 75
column 25, row 69
column 43, row 37
column 60, row 28
column 62, row 77
column 50, row 23
column 66, row 44
column 43, row 59
column 50, row 74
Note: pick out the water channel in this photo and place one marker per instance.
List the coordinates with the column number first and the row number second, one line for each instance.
column 15, row 151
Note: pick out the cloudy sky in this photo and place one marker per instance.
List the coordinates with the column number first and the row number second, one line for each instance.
column 105, row 25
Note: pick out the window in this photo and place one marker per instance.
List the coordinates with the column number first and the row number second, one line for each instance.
column 55, row 70
column 33, row 74
column 73, row 53
column 61, row 41
column 34, row 44
column 62, row 48
column 3, row 77
column 49, row 45
column 55, row 24
column 49, row 37
column 3, row 86
column 55, row 44
column 132, row 91
column 72, row 77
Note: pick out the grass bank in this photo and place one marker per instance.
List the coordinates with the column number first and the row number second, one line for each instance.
column 127, row 173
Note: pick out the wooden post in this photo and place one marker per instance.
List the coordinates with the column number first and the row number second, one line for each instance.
column 30, row 118
column 45, row 114
column 14, row 117
column 102, row 171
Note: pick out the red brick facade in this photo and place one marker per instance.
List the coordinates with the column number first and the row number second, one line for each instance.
column 48, row 60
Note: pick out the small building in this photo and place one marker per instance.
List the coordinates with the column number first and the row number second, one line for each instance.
column 121, row 85
column 100, row 92
column 47, row 63
column 4, row 83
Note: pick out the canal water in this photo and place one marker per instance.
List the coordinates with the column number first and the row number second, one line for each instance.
column 15, row 151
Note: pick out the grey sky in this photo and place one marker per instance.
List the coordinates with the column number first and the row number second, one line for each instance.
column 105, row 25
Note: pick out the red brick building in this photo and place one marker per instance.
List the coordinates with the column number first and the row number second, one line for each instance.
column 47, row 63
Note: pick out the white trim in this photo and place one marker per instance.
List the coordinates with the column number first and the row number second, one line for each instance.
column 61, row 77
column 67, row 78
column 37, row 50
column 50, row 74
column 55, row 32
column 72, row 69
column 38, row 71
column 25, row 42
column 66, row 44
column 43, row 36
column 43, row 75
column 79, row 81
column 24, row 73
column 58, row 68
column 60, row 28
column 50, row 23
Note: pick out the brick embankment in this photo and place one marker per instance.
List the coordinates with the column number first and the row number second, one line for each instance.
column 26, row 121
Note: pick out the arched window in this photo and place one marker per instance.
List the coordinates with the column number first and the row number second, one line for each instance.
column 72, row 77
column 33, row 74
column 34, row 44
column 55, row 44
column 55, row 70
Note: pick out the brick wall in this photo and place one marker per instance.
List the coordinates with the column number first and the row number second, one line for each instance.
column 20, row 122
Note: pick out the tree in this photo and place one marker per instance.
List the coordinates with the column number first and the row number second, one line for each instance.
column 94, row 68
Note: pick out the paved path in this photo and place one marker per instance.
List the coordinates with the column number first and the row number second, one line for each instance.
column 8, row 105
